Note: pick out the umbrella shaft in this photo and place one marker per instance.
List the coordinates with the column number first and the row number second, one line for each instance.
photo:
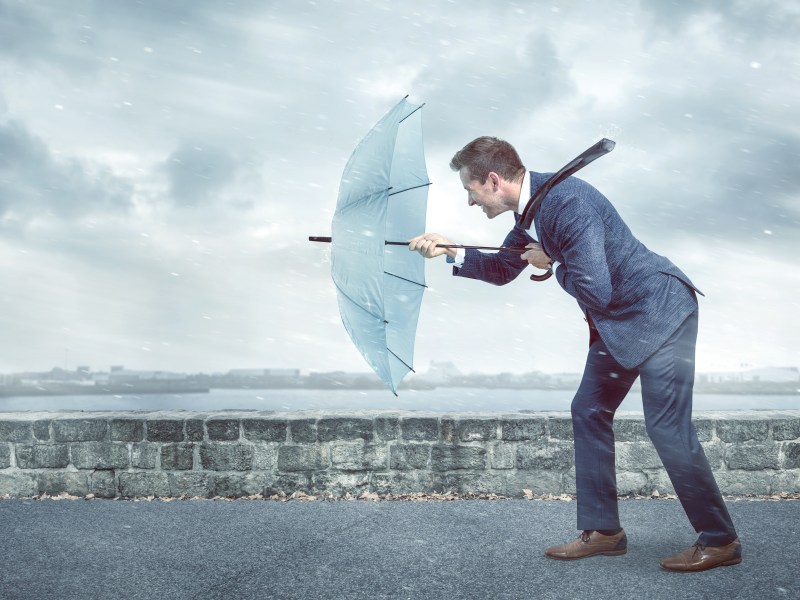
column 506, row 248
column 317, row 238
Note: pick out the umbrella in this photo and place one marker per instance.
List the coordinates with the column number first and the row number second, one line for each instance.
column 383, row 195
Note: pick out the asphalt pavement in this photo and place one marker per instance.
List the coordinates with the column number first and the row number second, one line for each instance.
column 463, row 549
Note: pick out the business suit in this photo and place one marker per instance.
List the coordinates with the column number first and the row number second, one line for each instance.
column 643, row 311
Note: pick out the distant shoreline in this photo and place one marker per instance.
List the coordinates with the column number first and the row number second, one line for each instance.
column 183, row 387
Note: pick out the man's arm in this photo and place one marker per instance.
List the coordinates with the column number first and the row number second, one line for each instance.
column 495, row 268
column 581, row 234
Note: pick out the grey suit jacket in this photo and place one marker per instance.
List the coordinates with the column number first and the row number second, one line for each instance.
column 635, row 297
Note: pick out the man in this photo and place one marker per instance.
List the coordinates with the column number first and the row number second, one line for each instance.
column 642, row 315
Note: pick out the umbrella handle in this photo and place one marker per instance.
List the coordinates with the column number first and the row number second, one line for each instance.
column 544, row 276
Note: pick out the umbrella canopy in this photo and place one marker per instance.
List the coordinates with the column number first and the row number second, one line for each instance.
column 382, row 196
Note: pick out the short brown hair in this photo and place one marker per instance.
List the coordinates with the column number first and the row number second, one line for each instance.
column 485, row 154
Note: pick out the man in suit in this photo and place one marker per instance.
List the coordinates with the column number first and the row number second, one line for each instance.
column 642, row 314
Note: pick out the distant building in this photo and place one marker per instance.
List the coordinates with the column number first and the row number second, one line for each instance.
column 264, row 373
column 441, row 372
column 763, row 375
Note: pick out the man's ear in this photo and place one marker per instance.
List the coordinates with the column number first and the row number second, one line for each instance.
column 494, row 179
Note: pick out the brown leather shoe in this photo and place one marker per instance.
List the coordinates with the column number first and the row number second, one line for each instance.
column 590, row 543
column 702, row 558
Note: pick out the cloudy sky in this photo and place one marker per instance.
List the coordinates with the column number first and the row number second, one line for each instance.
column 163, row 163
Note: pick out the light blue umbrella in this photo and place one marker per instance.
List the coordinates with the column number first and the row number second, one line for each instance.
column 383, row 196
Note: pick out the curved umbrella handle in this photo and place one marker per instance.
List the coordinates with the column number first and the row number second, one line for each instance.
column 544, row 276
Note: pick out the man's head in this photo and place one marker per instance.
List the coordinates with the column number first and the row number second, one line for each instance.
column 491, row 172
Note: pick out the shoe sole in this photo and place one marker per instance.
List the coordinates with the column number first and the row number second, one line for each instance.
column 727, row 563
column 608, row 553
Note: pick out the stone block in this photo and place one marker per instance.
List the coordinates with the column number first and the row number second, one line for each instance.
column 541, row 482
column 226, row 457
column 786, row 482
column 359, row 456
column 237, row 485
column 41, row 430
column 403, row 482
column 338, row 484
column 195, row 430
column 632, row 483
column 704, row 429
column 286, row 484
column 791, row 455
column 144, row 455
column 387, row 428
column 556, row 456
column 43, row 456
column 127, row 430
column 568, row 482
column 18, row 485
column 448, row 429
column 786, row 429
column 523, row 429
column 80, row 430
column 503, row 455
column 193, row 485
column 16, row 431
column 100, row 455
column 265, row 457
column 753, row 457
column 165, row 430
column 742, row 483
column 735, row 431
column 476, row 430
column 510, row 483
column 629, row 430
column 658, row 481
column 635, row 456
column 303, row 430
column 715, row 453
column 560, row 428
column 420, row 429
column 265, row 430
column 103, row 484
column 310, row 457
column 58, row 482
column 143, row 484
column 404, row 457
column 450, row 458
column 223, row 430
column 5, row 456
column 344, row 428
column 177, row 457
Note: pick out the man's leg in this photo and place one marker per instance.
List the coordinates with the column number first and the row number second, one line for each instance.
column 667, row 380
column 603, row 388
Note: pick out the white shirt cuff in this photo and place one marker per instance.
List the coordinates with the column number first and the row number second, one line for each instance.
column 461, row 255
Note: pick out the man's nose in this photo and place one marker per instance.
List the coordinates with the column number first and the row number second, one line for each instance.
column 470, row 201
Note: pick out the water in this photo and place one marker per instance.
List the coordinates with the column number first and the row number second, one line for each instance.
column 438, row 400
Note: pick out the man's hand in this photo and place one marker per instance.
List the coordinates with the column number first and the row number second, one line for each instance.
column 426, row 244
column 536, row 256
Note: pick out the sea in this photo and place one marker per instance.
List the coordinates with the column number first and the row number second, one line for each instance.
column 434, row 400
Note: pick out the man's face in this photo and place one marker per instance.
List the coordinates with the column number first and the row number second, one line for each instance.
column 486, row 194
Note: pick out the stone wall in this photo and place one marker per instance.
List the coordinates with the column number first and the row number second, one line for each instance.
column 175, row 454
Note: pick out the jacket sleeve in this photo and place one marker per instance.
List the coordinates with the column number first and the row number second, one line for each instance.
column 496, row 268
column 584, row 272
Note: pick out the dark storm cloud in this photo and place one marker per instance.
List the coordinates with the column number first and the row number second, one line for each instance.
column 33, row 183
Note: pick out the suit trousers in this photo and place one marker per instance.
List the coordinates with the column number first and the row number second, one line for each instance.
column 667, row 378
